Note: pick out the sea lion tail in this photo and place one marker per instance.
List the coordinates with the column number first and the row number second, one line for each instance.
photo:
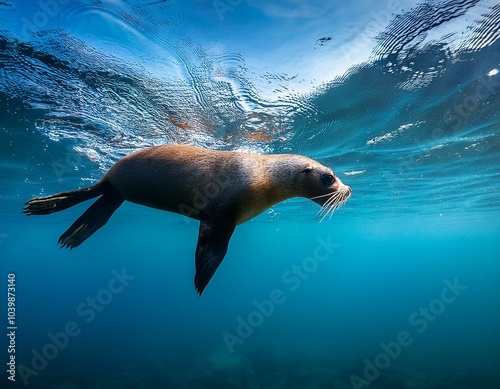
column 62, row 201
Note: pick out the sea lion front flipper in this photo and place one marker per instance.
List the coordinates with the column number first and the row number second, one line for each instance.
column 213, row 240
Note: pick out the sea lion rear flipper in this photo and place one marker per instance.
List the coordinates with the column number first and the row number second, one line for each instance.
column 63, row 200
column 213, row 240
column 92, row 219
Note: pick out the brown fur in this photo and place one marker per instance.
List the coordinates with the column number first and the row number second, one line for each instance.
column 220, row 188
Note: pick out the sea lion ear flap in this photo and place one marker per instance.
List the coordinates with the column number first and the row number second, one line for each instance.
column 213, row 240
column 307, row 169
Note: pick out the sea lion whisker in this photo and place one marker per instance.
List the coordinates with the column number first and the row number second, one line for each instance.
column 334, row 207
column 324, row 207
column 331, row 200
column 318, row 197
column 330, row 208
column 325, row 215
column 334, row 203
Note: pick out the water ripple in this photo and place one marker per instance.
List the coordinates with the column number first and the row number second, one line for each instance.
column 423, row 103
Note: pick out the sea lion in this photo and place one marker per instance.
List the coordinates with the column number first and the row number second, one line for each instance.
column 221, row 189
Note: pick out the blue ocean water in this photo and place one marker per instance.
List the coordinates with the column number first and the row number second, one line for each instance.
column 399, row 289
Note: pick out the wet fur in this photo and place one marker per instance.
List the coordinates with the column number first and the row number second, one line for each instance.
column 220, row 188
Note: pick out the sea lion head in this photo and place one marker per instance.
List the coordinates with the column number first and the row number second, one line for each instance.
column 322, row 186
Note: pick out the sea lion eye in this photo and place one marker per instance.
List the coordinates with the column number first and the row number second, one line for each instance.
column 328, row 179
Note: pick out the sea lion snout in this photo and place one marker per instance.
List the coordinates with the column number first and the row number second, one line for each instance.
column 343, row 188
column 337, row 193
